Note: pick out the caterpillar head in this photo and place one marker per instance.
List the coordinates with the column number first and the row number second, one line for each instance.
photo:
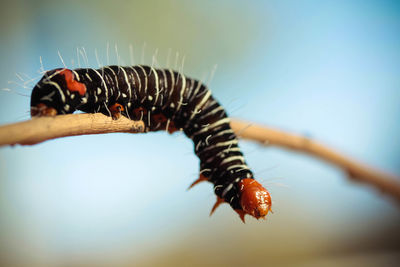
column 56, row 93
column 254, row 198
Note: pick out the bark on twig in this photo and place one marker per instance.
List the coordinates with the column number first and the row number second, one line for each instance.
column 45, row 128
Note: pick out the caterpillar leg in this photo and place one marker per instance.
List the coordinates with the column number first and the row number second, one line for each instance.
column 202, row 178
column 42, row 110
column 116, row 110
column 162, row 122
column 170, row 127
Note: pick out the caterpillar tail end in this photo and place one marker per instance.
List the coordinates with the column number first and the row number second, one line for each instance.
column 41, row 110
column 255, row 199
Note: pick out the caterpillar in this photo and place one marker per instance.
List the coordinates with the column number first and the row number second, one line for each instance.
column 164, row 100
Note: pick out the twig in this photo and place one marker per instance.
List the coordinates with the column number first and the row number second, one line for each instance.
column 41, row 129
column 45, row 128
column 385, row 182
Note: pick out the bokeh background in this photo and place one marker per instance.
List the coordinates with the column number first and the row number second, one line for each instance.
column 327, row 69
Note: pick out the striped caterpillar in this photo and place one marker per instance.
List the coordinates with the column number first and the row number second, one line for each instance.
column 164, row 100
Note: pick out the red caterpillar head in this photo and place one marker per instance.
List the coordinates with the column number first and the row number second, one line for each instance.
column 56, row 93
column 254, row 198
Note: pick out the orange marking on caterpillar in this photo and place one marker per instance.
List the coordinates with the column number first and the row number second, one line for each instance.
column 254, row 199
column 72, row 84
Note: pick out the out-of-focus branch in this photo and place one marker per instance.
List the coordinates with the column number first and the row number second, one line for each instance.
column 385, row 182
column 45, row 128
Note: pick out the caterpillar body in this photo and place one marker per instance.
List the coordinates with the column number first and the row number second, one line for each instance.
column 164, row 100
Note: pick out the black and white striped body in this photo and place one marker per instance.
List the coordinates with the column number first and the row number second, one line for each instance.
column 164, row 100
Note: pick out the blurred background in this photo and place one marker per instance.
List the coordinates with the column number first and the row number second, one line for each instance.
column 326, row 69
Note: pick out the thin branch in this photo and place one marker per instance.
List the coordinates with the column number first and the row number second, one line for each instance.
column 45, row 128
column 41, row 129
column 385, row 182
